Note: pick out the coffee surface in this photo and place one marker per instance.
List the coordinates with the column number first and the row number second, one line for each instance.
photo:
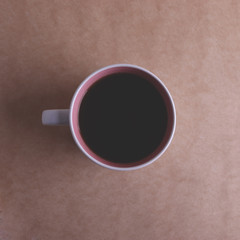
column 123, row 118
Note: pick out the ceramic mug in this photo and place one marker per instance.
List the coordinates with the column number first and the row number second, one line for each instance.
column 71, row 116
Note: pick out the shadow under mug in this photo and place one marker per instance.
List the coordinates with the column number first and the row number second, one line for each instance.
column 71, row 116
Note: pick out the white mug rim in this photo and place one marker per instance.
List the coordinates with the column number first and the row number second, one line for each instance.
column 106, row 165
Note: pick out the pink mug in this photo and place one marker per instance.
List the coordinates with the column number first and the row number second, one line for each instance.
column 121, row 116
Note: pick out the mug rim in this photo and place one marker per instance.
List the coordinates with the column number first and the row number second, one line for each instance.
column 71, row 116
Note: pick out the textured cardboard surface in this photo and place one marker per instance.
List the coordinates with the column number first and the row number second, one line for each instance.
column 49, row 190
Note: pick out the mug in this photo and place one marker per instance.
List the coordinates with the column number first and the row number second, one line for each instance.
column 121, row 116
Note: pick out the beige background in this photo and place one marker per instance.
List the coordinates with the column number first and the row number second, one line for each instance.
column 49, row 190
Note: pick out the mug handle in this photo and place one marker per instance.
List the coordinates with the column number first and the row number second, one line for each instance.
column 54, row 117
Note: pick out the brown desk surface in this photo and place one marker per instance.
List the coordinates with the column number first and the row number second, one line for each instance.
column 50, row 190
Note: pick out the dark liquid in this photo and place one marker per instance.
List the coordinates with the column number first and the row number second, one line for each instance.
column 123, row 118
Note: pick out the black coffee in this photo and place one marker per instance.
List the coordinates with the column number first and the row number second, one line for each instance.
column 123, row 118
